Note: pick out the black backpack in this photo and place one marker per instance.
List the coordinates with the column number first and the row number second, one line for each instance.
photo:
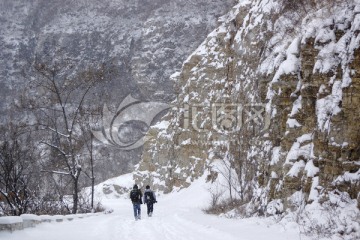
column 149, row 197
column 135, row 195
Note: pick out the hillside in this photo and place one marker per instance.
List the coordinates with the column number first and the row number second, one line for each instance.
column 138, row 43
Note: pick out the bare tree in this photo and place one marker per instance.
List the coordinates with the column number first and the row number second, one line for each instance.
column 226, row 169
column 60, row 101
column 89, row 144
column 17, row 170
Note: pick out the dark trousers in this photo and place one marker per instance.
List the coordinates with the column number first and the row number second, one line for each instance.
column 137, row 210
column 150, row 207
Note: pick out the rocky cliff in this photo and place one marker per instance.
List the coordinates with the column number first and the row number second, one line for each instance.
column 273, row 95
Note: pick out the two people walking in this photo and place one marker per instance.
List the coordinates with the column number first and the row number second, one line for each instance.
column 137, row 198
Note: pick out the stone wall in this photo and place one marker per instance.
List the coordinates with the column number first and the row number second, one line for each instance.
column 14, row 223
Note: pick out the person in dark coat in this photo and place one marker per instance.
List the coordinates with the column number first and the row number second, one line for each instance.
column 136, row 199
column 149, row 200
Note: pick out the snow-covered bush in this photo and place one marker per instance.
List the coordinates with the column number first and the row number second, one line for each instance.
column 336, row 217
column 275, row 207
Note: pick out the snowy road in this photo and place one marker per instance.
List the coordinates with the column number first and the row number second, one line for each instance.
column 177, row 216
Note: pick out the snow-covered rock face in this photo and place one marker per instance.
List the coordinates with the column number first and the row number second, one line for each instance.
column 289, row 120
column 145, row 40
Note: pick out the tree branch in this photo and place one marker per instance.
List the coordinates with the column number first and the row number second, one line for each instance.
column 56, row 172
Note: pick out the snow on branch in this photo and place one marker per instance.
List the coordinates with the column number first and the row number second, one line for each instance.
column 59, row 133
column 56, row 172
column 55, row 147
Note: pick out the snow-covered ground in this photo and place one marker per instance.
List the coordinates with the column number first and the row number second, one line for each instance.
column 176, row 216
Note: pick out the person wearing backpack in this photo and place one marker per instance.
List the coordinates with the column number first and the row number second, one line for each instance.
column 136, row 199
column 149, row 200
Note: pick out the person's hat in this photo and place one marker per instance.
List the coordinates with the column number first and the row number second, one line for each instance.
column 135, row 186
column 147, row 187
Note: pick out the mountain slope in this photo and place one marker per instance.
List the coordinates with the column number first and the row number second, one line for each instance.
column 273, row 95
column 144, row 40
column 139, row 44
